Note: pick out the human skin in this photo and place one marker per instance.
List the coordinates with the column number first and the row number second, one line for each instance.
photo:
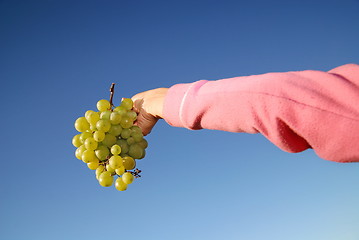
column 294, row 110
column 149, row 106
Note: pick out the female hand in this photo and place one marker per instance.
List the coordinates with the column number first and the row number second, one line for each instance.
column 149, row 107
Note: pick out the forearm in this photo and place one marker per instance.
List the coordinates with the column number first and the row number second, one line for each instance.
column 294, row 110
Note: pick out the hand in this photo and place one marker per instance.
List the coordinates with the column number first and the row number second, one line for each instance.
column 149, row 107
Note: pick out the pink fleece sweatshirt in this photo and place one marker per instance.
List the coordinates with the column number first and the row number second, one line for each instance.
column 294, row 110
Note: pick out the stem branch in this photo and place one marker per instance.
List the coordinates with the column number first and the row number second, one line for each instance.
column 112, row 91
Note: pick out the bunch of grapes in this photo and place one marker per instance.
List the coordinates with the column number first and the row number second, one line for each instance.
column 109, row 142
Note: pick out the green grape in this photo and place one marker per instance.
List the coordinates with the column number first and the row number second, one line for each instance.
column 115, row 130
column 79, row 151
column 102, row 152
column 130, row 140
column 121, row 110
column 127, row 103
column 126, row 133
column 115, row 118
column 88, row 156
column 93, row 165
column 127, row 178
column 87, row 113
column 84, row 136
column 132, row 115
column 76, row 140
column 99, row 170
column 81, row 124
column 138, row 137
column 103, row 105
column 120, row 185
column 109, row 140
column 126, row 122
column 110, row 143
column 105, row 115
column 103, row 125
column 92, row 117
column 119, row 171
column 129, row 163
column 90, row 143
column 115, row 149
column 136, row 129
column 143, row 154
column 115, row 162
column 143, row 144
column 99, row 136
column 123, row 144
column 135, row 151
column 105, row 179
column 109, row 168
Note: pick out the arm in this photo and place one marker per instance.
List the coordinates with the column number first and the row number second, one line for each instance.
column 294, row 110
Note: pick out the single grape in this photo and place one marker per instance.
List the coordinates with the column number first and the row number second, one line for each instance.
column 81, row 124
column 88, row 112
column 135, row 129
column 103, row 105
column 102, row 152
column 88, row 156
column 79, row 151
column 115, row 149
column 135, row 151
column 84, row 136
column 115, row 118
column 127, row 103
column 99, row 136
column 110, row 169
column 126, row 122
column 138, row 137
column 120, row 185
column 93, row 165
column 143, row 144
column 132, row 115
column 103, row 125
column 105, row 115
column 99, row 170
column 90, row 143
column 129, row 163
column 126, row 133
column 105, row 179
column 143, row 154
column 130, row 140
column 76, row 140
column 115, row 162
column 115, row 130
column 127, row 178
column 121, row 170
column 123, row 144
column 109, row 140
column 121, row 110
column 92, row 117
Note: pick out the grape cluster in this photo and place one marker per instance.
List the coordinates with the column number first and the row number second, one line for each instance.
column 110, row 144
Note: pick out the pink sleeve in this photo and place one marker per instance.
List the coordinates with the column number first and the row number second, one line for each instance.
column 294, row 110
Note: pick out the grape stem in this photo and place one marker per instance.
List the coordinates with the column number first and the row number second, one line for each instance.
column 112, row 91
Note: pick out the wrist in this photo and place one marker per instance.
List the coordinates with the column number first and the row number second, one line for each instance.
column 158, row 101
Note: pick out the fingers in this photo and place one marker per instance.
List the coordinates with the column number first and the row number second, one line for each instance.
column 145, row 120
column 149, row 107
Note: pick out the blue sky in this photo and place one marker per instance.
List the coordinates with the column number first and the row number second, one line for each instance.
column 58, row 58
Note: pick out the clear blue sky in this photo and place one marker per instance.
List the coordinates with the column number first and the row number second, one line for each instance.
column 57, row 58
